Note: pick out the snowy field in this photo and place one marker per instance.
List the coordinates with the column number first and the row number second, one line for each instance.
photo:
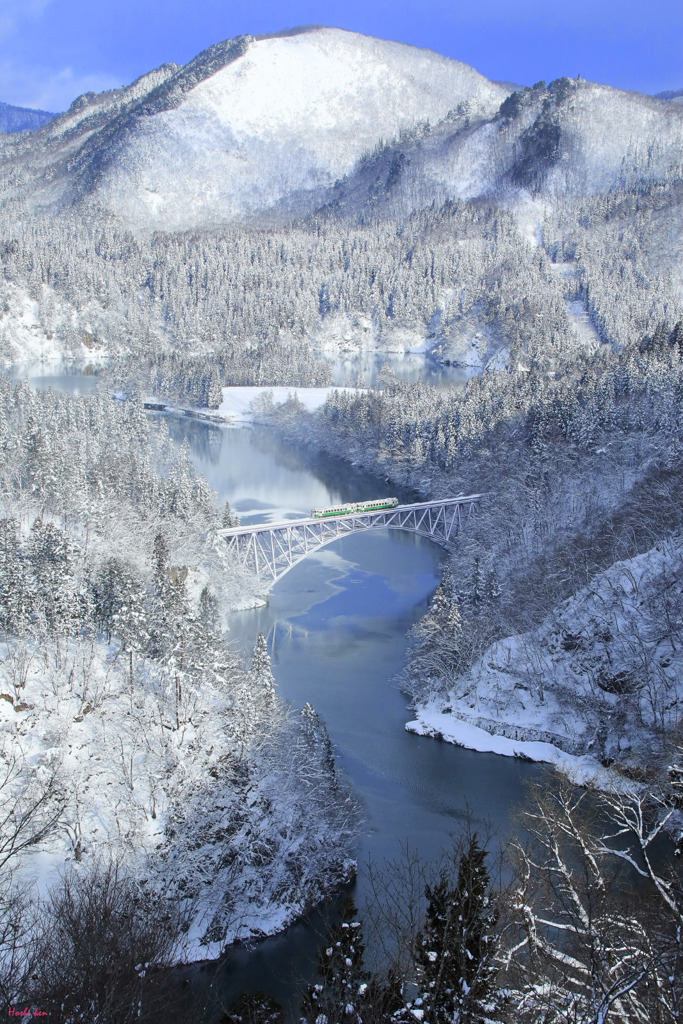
column 248, row 404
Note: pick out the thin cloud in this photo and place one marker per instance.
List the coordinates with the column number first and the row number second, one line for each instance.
column 13, row 12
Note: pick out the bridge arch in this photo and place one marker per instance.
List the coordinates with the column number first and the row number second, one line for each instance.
column 271, row 550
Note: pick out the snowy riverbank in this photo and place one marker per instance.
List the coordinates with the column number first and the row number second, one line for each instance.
column 596, row 685
column 242, row 406
column 581, row 769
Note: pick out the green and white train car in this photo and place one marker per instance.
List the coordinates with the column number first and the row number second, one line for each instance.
column 373, row 505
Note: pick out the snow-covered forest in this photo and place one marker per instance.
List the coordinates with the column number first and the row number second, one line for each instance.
column 131, row 731
column 461, row 279
column 152, row 778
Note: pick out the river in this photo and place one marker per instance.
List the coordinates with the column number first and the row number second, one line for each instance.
column 336, row 626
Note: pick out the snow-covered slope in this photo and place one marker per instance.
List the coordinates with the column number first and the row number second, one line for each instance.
column 600, row 677
column 572, row 139
column 270, row 128
column 48, row 328
column 251, row 124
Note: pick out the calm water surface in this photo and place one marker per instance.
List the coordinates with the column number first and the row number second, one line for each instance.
column 336, row 626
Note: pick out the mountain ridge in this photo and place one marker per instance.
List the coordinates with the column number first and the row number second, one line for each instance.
column 328, row 186
column 285, row 114
column 268, row 129
column 22, row 119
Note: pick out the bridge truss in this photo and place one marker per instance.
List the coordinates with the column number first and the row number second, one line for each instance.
column 270, row 550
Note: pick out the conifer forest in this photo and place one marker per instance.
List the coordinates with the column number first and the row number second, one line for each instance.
column 162, row 802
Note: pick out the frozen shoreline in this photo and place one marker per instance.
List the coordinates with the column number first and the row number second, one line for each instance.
column 582, row 769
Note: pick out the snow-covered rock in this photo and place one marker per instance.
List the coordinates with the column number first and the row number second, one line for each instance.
column 601, row 677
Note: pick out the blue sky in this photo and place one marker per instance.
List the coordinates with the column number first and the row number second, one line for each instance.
column 53, row 50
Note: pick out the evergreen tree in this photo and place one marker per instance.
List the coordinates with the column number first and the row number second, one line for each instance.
column 160, row 559
column 119, row 607
column 310, row 722
column 475, row 587
column 208, row 611
column 262, row 675
column 493, row 591
column 230, row 520
column 172, row 626
column 15, row 591
column 676, row 337
column 339, row 995
column 437, row 637
column 318, row 741
column 130, row 619
column 51, row 554
column 454, row 952
column 215, row 391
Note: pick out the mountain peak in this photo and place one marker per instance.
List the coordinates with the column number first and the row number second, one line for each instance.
column 285, row 33
column 257, row 123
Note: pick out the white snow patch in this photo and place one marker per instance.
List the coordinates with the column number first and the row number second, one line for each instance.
column 583, row 770
column 238, row 402
column 582, row 324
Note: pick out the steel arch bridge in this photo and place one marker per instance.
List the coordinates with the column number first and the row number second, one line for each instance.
column 270, row 550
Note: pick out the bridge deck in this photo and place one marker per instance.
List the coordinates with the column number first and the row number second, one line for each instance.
column 241, row 531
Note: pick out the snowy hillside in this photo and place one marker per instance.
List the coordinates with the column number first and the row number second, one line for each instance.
column 270, row 128
column 571, row 139
column 432, row 210
column 48, row 328
column 256, row 122
column 601, row 676
column 164, row 800
column 173, row 757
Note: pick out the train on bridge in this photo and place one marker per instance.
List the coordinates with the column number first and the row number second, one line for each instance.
column 373, row 505
column 271, row 549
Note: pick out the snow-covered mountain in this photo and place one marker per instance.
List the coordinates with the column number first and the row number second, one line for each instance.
column 337, row 133
column 249, row 125
column 675, row 95
column 572, row 139
column 277, row 127
column 22, row 119
column 274, row 128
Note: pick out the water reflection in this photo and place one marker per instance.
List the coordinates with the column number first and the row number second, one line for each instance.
column 410, row 367
column 84, row 384
column 205, row 439
column 337, row 626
